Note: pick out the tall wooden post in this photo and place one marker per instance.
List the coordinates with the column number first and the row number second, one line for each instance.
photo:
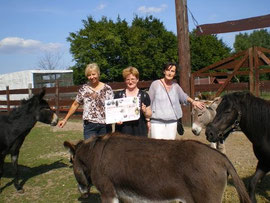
column 57, row 97
column 257, row 74
column 8, row 99
column 183, row 53
column 251, row 69
column 30, row 93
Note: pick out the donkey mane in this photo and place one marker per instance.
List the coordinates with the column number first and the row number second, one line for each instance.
column 24, row 108
column 256, row 112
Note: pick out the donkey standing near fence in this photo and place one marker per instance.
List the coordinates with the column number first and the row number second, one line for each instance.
column 201, row 117
column 17, row 125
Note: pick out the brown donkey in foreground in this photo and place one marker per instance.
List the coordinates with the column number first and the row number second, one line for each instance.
column 137, row 169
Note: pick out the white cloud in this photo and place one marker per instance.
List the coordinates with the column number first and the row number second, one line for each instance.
column 101, row 6
column 13, row 45
column 148, row 10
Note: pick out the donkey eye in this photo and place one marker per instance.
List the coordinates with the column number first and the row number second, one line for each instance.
column 200, row 114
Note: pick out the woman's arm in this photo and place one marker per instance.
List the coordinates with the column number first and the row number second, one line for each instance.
column 146, row 111
column 75, row 105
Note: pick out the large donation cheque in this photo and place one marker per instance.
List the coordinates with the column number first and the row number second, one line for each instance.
column 122, row 109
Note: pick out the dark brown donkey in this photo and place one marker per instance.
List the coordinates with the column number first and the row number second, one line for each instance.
column 16, row 126
column 252, row 114
column 137, row 169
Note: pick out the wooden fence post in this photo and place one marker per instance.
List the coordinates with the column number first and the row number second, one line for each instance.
column 8, row 99
column 57, row 96
column 30, row 90
column 257, row 74
column 251, row 69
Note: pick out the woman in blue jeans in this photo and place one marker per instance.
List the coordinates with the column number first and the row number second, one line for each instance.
column 92, row 96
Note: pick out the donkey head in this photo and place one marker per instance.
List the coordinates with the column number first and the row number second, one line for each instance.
column 80, row 171
column 226, row 120
column 201, row 117
column 43, row 112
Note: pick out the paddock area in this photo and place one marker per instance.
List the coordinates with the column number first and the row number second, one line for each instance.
column 46, row 175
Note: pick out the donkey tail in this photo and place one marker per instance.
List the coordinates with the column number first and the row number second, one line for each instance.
column 238, row 183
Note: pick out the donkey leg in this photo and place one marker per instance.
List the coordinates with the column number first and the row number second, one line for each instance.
column 259, row 174
column 221, row 147
column 2, row 159
column 14, row 160
column 105, row 199
column 213, row 145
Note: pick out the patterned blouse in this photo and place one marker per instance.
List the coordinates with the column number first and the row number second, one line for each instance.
column 94, row 102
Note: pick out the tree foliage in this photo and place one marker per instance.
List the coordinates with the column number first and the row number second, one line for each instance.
column 206, row 50
column 115, row 45
column 145, row 44
column 259, row 38
column 243, row 41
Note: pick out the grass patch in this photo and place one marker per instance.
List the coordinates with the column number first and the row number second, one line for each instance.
column 44, row 169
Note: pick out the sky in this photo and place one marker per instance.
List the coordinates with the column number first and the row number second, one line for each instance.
column 32, row 29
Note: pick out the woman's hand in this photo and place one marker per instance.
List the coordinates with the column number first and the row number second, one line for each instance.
column 147, row 112
column 198, row 104
column 62, row 123
column 143, row 108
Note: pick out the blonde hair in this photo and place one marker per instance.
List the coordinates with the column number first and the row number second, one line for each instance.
column 91, row 67
column 130, row 70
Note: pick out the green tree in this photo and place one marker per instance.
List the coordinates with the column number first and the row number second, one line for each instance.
column 206, row 50
column 244, row 41
column 146, row 44
column 151, row 47
column 256, row 38
column 99, row 42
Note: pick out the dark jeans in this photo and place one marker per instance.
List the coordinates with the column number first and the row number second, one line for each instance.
column 92, row 129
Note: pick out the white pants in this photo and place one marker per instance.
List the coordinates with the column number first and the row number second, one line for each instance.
column 166, row 131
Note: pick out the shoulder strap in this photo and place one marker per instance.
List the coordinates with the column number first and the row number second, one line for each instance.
column 143, row 94
column 168, row 97
column 119, row 94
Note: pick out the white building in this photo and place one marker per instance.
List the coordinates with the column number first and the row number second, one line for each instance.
column 34, row 79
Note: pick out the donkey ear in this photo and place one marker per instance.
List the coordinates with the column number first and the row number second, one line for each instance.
column 70, row 146
column 215, row 102
column 42, row 93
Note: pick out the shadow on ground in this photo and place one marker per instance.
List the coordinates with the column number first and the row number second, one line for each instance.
column 26, row 173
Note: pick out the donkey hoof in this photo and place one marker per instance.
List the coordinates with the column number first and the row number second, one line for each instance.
column 21, row 191
column 84, row 196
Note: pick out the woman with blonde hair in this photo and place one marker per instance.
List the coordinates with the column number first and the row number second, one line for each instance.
column 137, row 127
column 92, row 96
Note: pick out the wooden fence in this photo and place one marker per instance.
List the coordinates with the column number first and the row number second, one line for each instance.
column 61, row 98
